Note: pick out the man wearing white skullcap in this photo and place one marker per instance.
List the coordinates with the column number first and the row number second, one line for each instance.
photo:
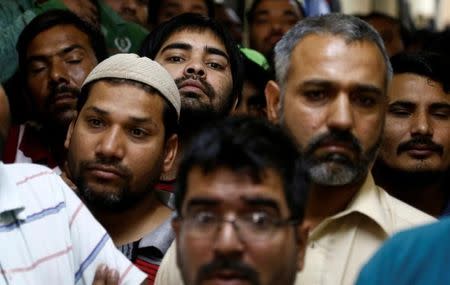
column 123, row 139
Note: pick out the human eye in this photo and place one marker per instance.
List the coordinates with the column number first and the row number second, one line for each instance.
column 315, row 95
column 95, row 123
column 203, row 218
column 36, row 67
column 138, row 133
column 74, row 57
column 174, row 59
column 259, row 220
column 365, row 100
column 215, row 65
column 442, row 114
column 399, row 111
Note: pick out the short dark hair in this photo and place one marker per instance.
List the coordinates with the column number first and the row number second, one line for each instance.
column 58, row 17
column 154, row 6
column 170, row 116
column 196, row 22
column 251, row 11
column 248, row 146
column 428, row 64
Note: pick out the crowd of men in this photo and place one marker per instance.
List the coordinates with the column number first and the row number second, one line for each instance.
column 142, row 143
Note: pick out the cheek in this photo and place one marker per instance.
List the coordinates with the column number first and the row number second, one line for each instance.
column 79, row 73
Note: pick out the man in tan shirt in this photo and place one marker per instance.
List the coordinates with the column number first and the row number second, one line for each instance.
column 332, row 73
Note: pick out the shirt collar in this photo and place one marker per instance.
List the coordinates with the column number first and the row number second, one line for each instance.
column 161, row 238
column 10, row 199
column 368, row 201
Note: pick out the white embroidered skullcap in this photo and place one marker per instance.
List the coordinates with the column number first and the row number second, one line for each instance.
column 141, row 69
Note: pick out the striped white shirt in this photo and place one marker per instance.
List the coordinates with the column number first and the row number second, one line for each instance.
column 47, row 235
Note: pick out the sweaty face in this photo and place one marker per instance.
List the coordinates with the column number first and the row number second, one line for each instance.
column 58, row 61
column 417, row 132
column 116, row 147
column 172, row 8
column 271, row 20
column 199, row 63
column 131, row 10
column 333, row 106
column 230, row 255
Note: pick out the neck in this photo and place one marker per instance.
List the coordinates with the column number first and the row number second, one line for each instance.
column 55, row 137
column 327, row 201
column 422, row 190
column 132, row 224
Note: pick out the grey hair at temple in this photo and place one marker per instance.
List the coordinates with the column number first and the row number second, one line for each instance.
column 348, row 27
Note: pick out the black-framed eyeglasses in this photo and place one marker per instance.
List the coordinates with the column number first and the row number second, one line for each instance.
column 254, row 226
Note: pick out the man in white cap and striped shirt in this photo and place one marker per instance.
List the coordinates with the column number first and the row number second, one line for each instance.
column 124, row 137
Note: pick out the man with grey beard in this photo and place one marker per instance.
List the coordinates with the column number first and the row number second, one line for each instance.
column 332, row 73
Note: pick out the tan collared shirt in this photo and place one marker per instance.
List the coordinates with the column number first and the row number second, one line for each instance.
column 340, row 245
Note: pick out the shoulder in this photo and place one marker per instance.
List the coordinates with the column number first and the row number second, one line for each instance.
column 403, row 215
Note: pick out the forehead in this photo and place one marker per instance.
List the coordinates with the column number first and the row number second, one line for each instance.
column 197, row 38
column 416, row 88
column 228, row 187
column 277, row 6
column 329, row 57
column 124, row 99
column 57, row 38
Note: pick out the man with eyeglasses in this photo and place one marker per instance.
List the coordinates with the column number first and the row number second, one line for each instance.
column 238, row 216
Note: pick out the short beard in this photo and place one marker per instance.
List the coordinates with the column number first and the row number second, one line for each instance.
column 118, row 201
column 413, row 179
column 335, row 169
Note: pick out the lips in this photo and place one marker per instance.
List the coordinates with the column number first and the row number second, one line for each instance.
column 191, row 85
column 106, row 172
column 421, row 151
column 228, row 277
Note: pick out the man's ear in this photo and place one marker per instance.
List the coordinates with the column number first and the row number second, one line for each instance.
column 170, row 152
column 302, row 235
column 272, row 93
column 176, row 224
column 69, row 133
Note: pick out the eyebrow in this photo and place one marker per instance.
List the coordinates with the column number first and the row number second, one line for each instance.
column 261, row 202
column 201, row 202
column 328, row 84
column 188, row 47
column 135, row 120
column 440, row 105
column 406, row 104
column 62, row 52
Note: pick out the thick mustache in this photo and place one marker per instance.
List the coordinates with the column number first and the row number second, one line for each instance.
column 334, row 137
column 226, row 264
column 55, row 90
column 108, row 163
column 420, row 142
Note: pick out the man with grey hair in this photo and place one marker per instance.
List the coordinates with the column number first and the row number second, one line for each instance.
column 332, row 73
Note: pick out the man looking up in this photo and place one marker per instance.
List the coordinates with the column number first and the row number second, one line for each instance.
column 269, row 20
column 56, row 51
column 415, row 154
column 122, row 139
column 206, row 65
column 240, row 199
column 332, row 73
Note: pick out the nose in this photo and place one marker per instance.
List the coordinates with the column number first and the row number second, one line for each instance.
column 195, row 67
column 111, row 144
column 421, row 124
column 58, row 72
column 340, row 114
column 228, row 242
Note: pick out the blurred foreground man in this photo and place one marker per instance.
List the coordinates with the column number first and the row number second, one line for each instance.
column 332, row 73
column 239, row 200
